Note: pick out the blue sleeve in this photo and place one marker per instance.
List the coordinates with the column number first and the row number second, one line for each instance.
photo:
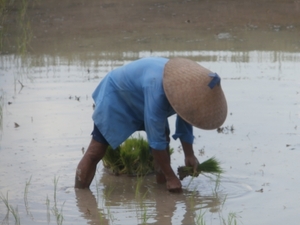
column 156, row 119
column 184, row 131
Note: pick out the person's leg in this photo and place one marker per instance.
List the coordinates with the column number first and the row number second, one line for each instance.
column 162, row 158
column 86, row 168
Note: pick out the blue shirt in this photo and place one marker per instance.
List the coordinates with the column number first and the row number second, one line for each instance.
column 132, row 98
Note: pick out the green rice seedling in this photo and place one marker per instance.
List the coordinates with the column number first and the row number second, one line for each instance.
column 15, row 213
column 26, row 198
column 25, row 36
column 10, row 209
column 134, row 155
column 138, row 186
column 217, row 183
column 1, row 108
column 3, row 6
column 97, row 189
column 145, row 158
column 5, row 201
column 56, row 212
column 199, row 219
column 112, row 160
column 133, row 158
column 101, row 218
column 192, row 197
column 209, row 166
column 231, row 219
column 138, row 194
column 55, row 181
column 107, row 192
column 48, row 209
column 128, row 158
column 191, row 180
column 111, row 216
column 144, row 215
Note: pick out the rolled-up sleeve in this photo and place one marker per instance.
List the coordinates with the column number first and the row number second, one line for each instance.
column 184, row 131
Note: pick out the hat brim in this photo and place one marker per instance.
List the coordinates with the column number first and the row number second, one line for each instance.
column 185, row 83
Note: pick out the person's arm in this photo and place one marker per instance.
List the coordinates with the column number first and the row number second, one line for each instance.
column 184, row 131
column 190, row 158
column 156, row 120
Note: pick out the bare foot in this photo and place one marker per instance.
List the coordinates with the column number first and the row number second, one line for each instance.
column 160, row 178
column 174, row 185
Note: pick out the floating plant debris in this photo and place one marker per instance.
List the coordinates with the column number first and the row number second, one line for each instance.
column 226, row 130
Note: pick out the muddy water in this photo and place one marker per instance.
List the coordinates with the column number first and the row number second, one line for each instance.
column 46, row 109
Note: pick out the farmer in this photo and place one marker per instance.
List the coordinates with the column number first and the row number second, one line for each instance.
column 141, row 96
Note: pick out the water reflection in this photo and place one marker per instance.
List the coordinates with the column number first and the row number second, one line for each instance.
column 105, row 61
column 119, row 201
column 88, row 207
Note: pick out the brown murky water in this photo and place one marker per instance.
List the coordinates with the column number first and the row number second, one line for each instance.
column 49, row 69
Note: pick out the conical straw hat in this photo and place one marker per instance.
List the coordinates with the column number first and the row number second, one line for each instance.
column 195, row 93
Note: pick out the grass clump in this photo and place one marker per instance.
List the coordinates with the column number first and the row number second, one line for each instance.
column 212, row 165
column 133, row 158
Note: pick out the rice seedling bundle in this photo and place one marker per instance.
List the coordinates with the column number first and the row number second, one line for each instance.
column 133, row 158
column 209, row 166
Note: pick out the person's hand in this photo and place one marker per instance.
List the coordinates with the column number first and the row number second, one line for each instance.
column 192, row 161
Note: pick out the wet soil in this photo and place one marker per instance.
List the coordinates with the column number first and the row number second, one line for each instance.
column 77, row 26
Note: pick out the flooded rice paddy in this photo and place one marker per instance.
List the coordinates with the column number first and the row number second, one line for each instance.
column 46, row 108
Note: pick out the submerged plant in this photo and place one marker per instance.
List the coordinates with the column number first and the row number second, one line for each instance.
column 209, row 166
